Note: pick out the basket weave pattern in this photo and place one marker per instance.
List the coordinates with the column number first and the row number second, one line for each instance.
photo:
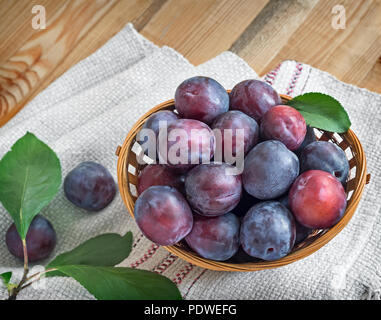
column 130, row 155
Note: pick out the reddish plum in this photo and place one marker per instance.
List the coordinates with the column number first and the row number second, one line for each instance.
column 158, row 175
column 163, row 215
column 188, row 143
column 254, row 98
column 201, row 98
column 268, row 231
column 317, row 199
column 270, row 169
column 234, row 120
column 215, row 238
column 40, row 240
column 90, row 186
column 212, row 190
column 326, row 156
column 285, row 124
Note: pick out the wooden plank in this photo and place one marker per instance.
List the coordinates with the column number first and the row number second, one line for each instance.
column 201, row 29
column 350, row 54
column 270, row 32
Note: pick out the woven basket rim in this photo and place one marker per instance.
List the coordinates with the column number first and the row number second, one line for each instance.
column 122, row 153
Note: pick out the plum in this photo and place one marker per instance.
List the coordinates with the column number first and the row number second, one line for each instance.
column 163, row 215
column 212, row 190
column 309, row 138
column 268, row 231
column 326, row 156
column 188, row 143
column 254, row 98
column 90, row 186
column 285, row 124
column 233, row 120
column 201, row 98
column 270, row 169
column 317, row 199
column 40, row 240
column 159, row 175
column 215, row 238
column 153, row 123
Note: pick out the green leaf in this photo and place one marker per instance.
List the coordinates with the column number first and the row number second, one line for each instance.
column 30, row 176
column 6, row 277
column 322, row 111
column 105, row 250
column 114, row 283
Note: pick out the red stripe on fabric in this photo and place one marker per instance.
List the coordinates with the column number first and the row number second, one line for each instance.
column 138, row 240
column 294, row 79
column 181, row 275
column 270, row 77
column 194, row 282
column 150, row 252
column 161, row 261
column 165, row 263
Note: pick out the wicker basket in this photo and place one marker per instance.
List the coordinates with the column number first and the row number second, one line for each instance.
column 129, row 169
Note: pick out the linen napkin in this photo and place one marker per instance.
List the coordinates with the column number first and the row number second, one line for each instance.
column 86, row 113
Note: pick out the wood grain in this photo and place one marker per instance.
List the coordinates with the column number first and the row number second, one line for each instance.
column 21, row 74
column 137, row 12
column 262, row 32
column 201, row 29
column 350, row 54
column 372, row 81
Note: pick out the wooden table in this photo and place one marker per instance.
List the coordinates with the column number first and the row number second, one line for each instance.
column 263, row 32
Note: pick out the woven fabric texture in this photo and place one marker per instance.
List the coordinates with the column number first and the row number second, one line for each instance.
column 86, row 113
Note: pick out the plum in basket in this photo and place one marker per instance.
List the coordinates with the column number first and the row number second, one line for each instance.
column 201, row 98
column 270, row 169
column 254, row 98
column 268, row 231
column 186, row 143
column 212, row 189
column 317, row 199
column 215, row 238
column 163, row 215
